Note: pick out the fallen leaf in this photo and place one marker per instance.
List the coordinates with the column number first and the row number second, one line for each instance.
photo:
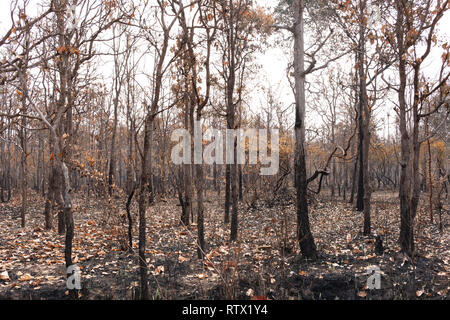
column 349, row 237
column 442, row 292
column 159, row 269
column 4, row 276
column 26, row 277
column 362, row 294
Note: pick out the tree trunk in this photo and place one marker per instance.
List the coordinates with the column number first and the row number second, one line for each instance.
column 23, row 172
column 227, row 193
column 406, row 220
column 48, row 214
column 112, row 157
column 363, row 201
column 231, row 115
column 200, row 209
column 144, row 290
column 305, row 237
column 130, row 220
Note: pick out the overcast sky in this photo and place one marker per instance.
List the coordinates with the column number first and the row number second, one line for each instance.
column 274, row 62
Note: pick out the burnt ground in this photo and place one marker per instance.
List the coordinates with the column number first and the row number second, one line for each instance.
column 265, row 263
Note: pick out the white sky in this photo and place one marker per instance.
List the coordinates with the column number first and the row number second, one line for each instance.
column 274, row 62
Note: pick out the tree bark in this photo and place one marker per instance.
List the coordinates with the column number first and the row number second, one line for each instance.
column 363, row 200
column 406, row 219
column 304, row 235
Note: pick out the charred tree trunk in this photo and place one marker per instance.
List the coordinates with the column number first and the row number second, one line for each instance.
column 142, row 201
column 406, row 219
column 23, row 172
column 363, row 201
column 227, row 193
column 304, row 235
column 130, row 219
column 200, row 214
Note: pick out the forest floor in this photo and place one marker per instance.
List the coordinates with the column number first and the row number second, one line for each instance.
column 265, row 263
